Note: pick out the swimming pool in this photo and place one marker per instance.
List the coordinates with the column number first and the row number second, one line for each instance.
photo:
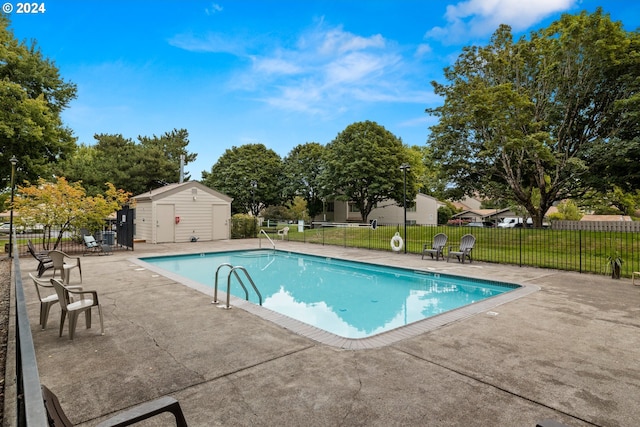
column 346, row 298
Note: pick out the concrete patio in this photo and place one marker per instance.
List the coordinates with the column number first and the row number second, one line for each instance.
column 567, row 352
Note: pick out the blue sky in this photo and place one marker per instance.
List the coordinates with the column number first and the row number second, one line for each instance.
column 281, row 73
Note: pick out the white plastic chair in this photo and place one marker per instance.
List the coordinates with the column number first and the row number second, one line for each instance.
column 58, row 258
column 48, row 300
column 76, row 306
column 283, row 232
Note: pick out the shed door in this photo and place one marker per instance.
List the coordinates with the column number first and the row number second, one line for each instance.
column 220, row 225
column 165, row 223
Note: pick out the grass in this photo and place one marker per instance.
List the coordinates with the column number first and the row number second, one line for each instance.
column 573, row 250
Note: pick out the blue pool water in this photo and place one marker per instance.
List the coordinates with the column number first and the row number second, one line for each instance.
column 346, row 298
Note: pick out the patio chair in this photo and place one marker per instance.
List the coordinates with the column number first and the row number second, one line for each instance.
column 59, row 263
column 74, row 306
column 283, row 232
column 437, row 248
column 91, row 245
column 466, row 246
column 44, row 262
column 46, row 301
column 57, row 417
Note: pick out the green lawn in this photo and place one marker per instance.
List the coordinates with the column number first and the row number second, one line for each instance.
column 584, row 251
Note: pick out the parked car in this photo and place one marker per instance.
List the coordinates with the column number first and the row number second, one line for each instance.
column 487, row 224
column 511, row 222
column 5, row 228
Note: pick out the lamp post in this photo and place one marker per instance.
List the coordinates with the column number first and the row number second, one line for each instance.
column 13, row 161
column 405, row 167
column 254, row 186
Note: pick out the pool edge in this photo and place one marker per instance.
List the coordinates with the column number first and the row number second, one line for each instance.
column 380, row 340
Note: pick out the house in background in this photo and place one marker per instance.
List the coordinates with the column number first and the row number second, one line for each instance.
column 468, row 203
column 423, row 212
column 181, row 213
column 491, row 215
column 484, row 215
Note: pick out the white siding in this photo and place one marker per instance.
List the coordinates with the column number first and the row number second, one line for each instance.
column 203, row 213
column 425, row 212
column 196, row 214
column 144, row 221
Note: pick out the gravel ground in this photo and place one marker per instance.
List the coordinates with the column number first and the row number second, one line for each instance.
column 5, row 295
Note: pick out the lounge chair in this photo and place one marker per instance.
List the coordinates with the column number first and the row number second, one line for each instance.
column 46, row 301
column 44, row 262
column 437, row 248
column 74, row 306
column 57, row 417
column 466, row 246
column 59, row 263
column 91, row 245
column 283, row 232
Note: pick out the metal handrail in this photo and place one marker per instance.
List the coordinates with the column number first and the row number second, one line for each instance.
column 246, row 273
column 269, row 238
column 215, row 287
column 234, row 271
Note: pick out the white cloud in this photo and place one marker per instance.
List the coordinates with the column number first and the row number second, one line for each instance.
column 337, row 41
column 274, row 66
column 357, row 67
column 423, row 50
column 212, row 42
column 322, row 68
column 332, row 67
column 478, row 18
column 213, row 9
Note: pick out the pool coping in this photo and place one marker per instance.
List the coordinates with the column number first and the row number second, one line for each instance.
column 382, row 339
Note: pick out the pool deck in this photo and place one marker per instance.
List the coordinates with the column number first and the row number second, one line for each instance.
column 567, row 350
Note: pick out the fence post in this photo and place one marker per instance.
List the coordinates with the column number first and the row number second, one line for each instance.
column 344, row 236
column 520, row 245
column 580, row 248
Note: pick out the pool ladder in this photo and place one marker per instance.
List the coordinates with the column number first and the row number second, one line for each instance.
column 234, row 270
column 268, row 238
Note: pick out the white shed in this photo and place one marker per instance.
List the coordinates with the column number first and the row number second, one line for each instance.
column 180, row 212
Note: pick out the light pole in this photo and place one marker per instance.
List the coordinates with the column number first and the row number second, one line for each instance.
column 405, row 167
column 14, row 162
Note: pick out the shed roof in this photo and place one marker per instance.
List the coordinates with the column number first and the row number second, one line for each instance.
column 170, row 189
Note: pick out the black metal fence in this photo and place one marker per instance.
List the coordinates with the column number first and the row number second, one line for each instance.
column 27, row 395
column 585, row 251
column 71, row 241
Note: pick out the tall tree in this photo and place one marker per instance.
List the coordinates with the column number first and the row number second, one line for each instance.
column 362, row 165
column 166, row 149
column 518, row 117
column 302, row 169
column 32, row 96
column 431, row 181
column 251, row 174
column 135, row 167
